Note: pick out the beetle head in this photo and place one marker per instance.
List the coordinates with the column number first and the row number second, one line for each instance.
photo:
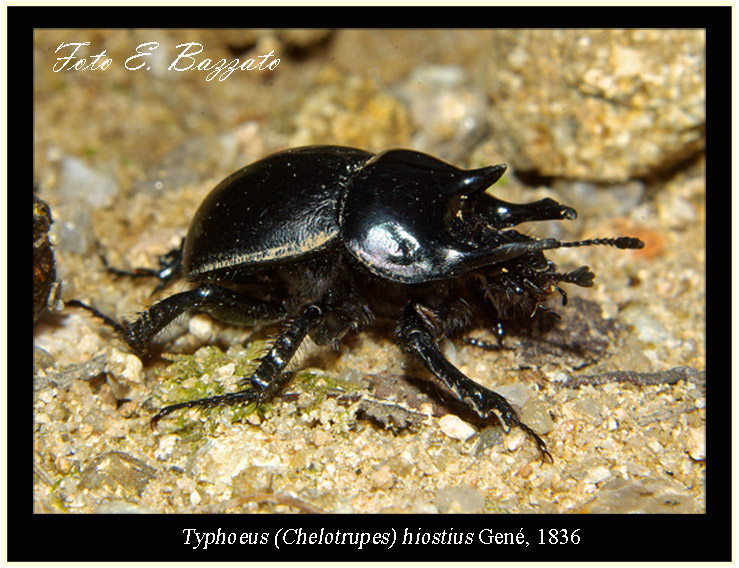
column 398, row 210
column 411, row 218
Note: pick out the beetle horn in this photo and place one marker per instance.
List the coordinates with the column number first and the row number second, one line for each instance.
column 459, row 213
column 475, row 182
column 501, row 214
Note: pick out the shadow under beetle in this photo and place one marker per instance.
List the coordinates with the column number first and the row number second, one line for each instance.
column 329, row 239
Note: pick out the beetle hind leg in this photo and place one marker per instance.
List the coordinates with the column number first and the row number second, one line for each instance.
column 416, row 338
column 217, row 301
column 170, row 268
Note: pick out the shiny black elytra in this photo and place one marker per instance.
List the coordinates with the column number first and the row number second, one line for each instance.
column 329, row 239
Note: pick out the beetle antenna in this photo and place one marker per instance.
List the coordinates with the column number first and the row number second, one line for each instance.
column 618, row 242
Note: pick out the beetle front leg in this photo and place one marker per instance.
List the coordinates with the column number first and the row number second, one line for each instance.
column 416, row 338
column 269, row 377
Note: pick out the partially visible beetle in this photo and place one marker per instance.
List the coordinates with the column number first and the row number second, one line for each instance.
column 328, row 239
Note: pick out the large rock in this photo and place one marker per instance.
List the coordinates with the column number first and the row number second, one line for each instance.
column 601, row 105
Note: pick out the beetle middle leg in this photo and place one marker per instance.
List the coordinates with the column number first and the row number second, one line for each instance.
column 269, row 377
column 416, row 338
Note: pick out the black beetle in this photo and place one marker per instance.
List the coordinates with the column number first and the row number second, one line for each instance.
column 328, row 239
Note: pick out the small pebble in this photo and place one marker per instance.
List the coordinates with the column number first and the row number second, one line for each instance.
column 597, row 475
column 454, row 427
column 697, row 443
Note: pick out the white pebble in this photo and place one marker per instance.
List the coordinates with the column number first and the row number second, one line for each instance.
column 454, row 427
column 195, row 498
column 166, row 447
column 514, row 440
column 201, row 327
column 697, row 443
column 597, row 475
column 126, row 365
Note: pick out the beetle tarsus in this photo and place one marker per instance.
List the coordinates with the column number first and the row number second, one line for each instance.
column 415, row 338
column 240, row 397
column 269, row 377
column 540, row 445
column 170, row 269
column 117, row 326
